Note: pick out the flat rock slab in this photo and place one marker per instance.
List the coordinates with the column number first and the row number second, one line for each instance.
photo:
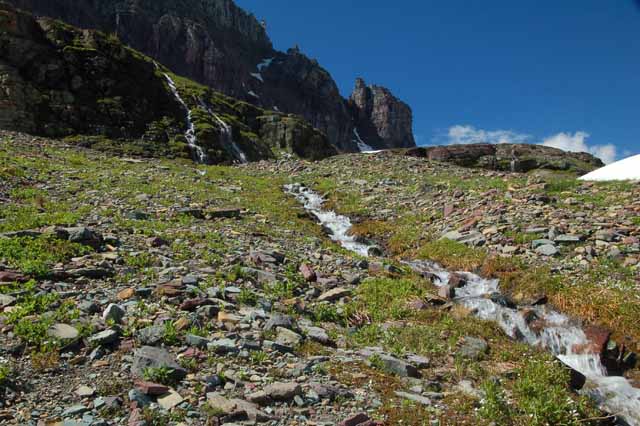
column 151, row 357
column 149, row 388
column 63, row 331
column 334, row 294
column 473, row 348
column 547, row 250
column 12, row 277
column 105, row 337
column 85, row 391
column 223, row 213
column 279, row 320
column 6, row 300
column 170, row 400
column 389, row 363
column 283, row 391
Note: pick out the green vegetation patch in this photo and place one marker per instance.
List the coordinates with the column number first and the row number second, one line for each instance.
column 36, row 256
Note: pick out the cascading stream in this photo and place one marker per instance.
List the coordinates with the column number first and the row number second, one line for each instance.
column 198, row 153
column 227, row 135
column 337, row 225
column 536, row 325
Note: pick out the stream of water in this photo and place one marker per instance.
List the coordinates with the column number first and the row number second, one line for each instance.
column 337, row 225
column 227, row 136
column 536, row 325
column 198, row 153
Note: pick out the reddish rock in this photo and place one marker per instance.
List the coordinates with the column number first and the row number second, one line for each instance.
column 448, row 210
column 149, row 388
column 156, row 242
column 355, row 420
column 126, row 294
column 371, row 423
column 529, row 316
column 12, row 277
column 598, row 338
column 135, row 417
column 469, row 224
column 457, row 280
column 192, row 304
column 418, row 305
column 194, row 353
column 446, row 292
column 308, row 273
column 126, row 345
column 169, row 290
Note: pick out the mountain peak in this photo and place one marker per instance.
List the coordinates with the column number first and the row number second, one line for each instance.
column 382, row 120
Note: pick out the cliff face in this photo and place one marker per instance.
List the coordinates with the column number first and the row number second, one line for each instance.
column 382, row 120
column 60, row 81
column 218, row 44
column 210, row 41
column 294, row 83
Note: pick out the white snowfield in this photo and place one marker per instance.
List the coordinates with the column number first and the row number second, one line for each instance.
column 627, row 169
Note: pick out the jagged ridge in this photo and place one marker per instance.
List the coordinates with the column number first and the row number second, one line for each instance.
column 218, row 44
column 61, row 81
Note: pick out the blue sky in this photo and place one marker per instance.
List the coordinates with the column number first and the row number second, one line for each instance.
column 566, row 72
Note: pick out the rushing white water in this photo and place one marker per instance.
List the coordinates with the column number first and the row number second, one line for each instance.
column 338, row 225
column 362, row 146
column 227, row 135
column 198, row 153
column 553, row 331
column 536, row 325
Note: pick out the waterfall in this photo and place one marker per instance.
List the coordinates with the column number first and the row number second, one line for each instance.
column 227, row 136
column 198, row 153
column 362, row 146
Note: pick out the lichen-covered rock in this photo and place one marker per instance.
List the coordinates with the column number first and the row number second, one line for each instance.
column 510, row 157
column 56, row 80
column 292, row 134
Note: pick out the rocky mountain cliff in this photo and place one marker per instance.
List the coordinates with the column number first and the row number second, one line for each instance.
column 59, row 81
column 382, row 120
column 510, row 157
column 218, row 44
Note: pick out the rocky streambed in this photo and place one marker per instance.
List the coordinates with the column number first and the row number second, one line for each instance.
column 596, row 367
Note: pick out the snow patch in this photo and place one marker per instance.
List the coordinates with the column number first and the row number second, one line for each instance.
column 252, row 93
column 266, row 63
column 257, row 76
column 627, row 169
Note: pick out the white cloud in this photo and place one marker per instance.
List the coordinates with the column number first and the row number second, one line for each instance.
column 469, row 134
column 577, row 142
